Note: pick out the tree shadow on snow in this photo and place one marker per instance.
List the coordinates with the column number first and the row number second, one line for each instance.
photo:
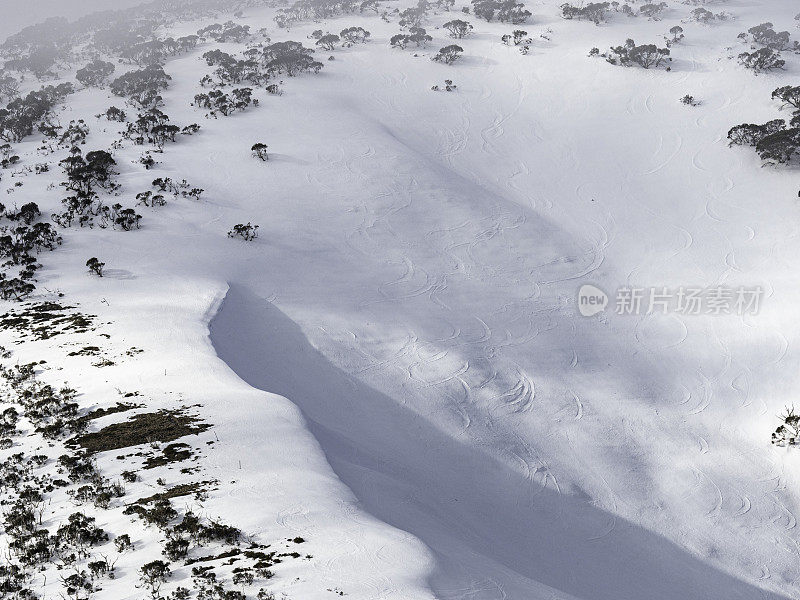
column 118, row 274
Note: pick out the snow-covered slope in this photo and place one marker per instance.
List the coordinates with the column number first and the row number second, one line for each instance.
column 465, row 433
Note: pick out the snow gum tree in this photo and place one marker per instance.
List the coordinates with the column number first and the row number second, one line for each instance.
column 449, row 54
column 458, row 28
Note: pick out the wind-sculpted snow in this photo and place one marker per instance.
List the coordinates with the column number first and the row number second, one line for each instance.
column 494, row 525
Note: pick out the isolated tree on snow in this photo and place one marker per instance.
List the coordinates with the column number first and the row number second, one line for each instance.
column 95, row 266
column 260, row 151
column 449, row 54
column 458, row 28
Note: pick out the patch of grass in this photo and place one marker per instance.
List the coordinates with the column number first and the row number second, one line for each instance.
column 144, row 428
column 171, row 454
column 184, row 489
column 104, row 412
column 44, row 320
column 82, row 422
column 105, row 362
column 86, row 351
column 227, row 554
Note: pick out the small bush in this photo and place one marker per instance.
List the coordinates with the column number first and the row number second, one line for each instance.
column 259, row 150
column 247, row 232
column 95, row 266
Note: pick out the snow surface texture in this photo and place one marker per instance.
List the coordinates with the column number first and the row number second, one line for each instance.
column 413, row 290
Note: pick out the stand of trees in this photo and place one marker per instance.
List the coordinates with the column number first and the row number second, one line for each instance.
column 505, row 11
column 318, row 10
column 593, row 11
column 227, row 32
column 776, row 142
column 354, row 35
column 21, row 116
column 21, row 238
column 416, row 35
column 765, row 35
column 644, row 55
column 219, row 102
column 95, row 73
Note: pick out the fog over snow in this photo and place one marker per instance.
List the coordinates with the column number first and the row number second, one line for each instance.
column 16, row 16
